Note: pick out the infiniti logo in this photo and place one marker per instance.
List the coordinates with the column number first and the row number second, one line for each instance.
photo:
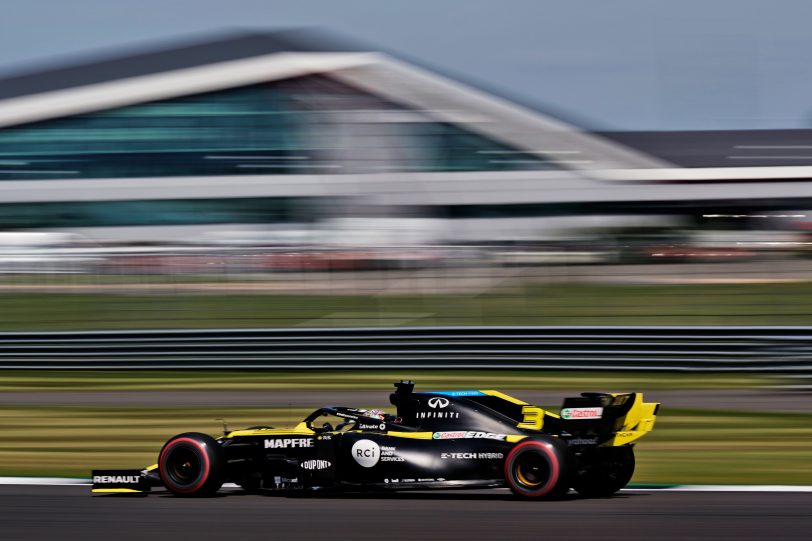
column 438, row 402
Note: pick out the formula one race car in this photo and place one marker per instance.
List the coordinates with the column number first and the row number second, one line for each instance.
column 442, row 439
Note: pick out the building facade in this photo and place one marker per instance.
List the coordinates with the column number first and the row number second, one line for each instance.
column 269, row 130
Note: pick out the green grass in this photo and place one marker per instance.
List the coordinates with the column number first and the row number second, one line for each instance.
column 703, row 447
column 378, row 380
column 70, row 441
column 556, row 304
column 686, row 446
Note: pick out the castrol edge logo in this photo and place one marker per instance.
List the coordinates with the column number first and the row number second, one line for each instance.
column 582, row 413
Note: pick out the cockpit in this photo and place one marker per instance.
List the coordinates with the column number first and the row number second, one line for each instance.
column 343, row 419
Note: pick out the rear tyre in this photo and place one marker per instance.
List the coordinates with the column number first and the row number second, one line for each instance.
column 605, row 473
column 538, row 469
column 192, row 464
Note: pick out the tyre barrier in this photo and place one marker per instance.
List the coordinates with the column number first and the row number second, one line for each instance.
column 786, row 350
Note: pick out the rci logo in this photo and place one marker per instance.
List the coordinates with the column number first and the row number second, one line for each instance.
column 438, row 402
column 366, row 453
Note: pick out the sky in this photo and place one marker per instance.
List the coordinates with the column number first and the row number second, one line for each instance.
column 611, row 64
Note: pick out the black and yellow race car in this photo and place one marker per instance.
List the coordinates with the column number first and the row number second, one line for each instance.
column 441, row 439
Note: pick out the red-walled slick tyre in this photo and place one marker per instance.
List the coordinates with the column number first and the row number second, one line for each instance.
column 538, row 469
column 192, row 464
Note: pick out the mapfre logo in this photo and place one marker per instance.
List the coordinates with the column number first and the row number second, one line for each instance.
column 366, row 453
column 438, row 402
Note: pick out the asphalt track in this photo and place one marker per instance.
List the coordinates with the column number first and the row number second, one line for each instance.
column 719, row 399
column 70, row 512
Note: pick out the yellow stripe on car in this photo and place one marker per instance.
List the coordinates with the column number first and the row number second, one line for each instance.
column 638, row 422
column 503, row 396
column 412, row 435
column 299, row 430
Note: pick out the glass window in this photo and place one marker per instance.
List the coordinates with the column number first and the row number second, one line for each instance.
column 149, row 212
column 304, row 125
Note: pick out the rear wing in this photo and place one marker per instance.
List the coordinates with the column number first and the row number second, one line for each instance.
column 605, row 419
column 621, row 418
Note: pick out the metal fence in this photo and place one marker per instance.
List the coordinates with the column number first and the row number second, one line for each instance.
column 786, row 350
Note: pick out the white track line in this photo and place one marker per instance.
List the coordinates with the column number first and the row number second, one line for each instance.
column 61, row 481
column 68, row 481
column 730, row 488
column 43, row 481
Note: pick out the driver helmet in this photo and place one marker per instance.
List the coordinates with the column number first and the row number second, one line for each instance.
column 375, row 414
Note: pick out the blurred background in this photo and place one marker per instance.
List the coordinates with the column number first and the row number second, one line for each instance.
column 204, row 167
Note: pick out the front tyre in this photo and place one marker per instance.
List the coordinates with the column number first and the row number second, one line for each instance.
column 605, row 473
column 192, row 464
column 538, row 469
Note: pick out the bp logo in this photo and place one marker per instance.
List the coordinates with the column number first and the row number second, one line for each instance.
column 366, row 453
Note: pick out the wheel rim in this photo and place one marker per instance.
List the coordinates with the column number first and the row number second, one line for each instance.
column 183, row 465
column 532, row 469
